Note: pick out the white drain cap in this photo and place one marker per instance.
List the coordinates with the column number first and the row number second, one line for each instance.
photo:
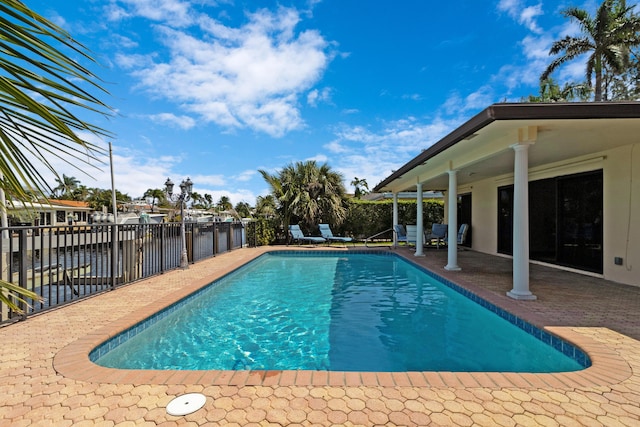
column 186, row 404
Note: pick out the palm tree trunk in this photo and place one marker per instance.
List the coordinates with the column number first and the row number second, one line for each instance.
column 598, row 93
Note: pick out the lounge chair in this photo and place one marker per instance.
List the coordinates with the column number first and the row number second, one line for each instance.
column 438, row 233
column 326, row 232
column 401, row 234
column 297, row 234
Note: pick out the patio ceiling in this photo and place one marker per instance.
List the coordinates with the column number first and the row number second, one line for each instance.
column 481, row 148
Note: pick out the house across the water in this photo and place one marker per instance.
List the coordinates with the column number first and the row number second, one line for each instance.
column 53, row 213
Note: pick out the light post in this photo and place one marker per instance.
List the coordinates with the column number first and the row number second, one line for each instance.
column 186, row 187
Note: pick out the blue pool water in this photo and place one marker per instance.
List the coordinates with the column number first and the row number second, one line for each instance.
column 346, row 312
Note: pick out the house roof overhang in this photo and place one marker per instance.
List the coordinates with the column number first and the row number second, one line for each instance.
column 481, row 147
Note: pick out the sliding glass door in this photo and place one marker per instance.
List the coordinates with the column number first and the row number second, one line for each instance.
column 565, row 220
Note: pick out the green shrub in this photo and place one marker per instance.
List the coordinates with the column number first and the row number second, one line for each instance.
column 364, row 218
column 261, row 232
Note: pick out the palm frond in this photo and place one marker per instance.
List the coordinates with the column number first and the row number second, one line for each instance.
column 13, row 295
column 42, row 93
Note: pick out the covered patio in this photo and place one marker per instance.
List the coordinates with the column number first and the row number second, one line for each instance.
column 554, row 183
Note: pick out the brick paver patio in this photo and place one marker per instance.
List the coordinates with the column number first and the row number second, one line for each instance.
column 46, row 378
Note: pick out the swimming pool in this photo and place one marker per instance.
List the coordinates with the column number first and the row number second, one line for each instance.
column 341, row 312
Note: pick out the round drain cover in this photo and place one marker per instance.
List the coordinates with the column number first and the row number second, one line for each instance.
column 186, row 404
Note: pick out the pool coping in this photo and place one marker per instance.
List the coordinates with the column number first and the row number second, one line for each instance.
column 73, row 361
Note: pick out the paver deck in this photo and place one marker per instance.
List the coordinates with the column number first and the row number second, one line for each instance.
column 47, row 379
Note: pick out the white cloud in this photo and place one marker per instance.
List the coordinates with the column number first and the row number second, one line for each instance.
column 374, row 154
column 134, row 61
column 182, row 122
column 528, row 17
column 524, row 15
column 235, row 196
column 481, row 98
column 316, row 96
column 123, row 42
column 335, row 147
column 250, row 76
column 177, row 11
column 246, row 175
column 574, row 71
column 133, row 173
column 208, row 180
column 537, row 47
column 318, row 158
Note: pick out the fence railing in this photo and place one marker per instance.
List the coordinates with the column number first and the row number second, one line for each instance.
column 67, row 263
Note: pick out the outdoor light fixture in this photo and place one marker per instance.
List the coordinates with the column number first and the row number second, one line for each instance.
column 186, row 188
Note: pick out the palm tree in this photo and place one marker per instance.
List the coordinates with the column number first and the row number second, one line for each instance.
column 207, row 201
column 308, row 193
column 42, row 81
column 550, row 91
column 66, row 186
column 361, row 187
column 243, row 210
column 224, row 204
column 99, row 198
column 156, row 195
column 80, row 193
column 607, row 38
column 196, row 200
column 266, row 206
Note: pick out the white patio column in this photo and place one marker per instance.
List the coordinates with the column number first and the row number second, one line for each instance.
column 520, row 289
column 419, row 222
column 395, row 218
column 452, row 209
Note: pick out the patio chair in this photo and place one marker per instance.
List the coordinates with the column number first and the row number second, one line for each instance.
column 401, row 234
column 326, row 232
column 438, row 233
column 462, row 233
column 297, row 234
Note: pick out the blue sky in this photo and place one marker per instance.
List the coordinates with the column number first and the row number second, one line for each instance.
column 215, row 90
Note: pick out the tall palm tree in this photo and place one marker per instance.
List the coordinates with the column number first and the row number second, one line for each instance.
column 42, row 83
column 606, row 38
column 66, row 186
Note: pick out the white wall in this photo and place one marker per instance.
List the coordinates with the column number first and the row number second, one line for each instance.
column 621, row 215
